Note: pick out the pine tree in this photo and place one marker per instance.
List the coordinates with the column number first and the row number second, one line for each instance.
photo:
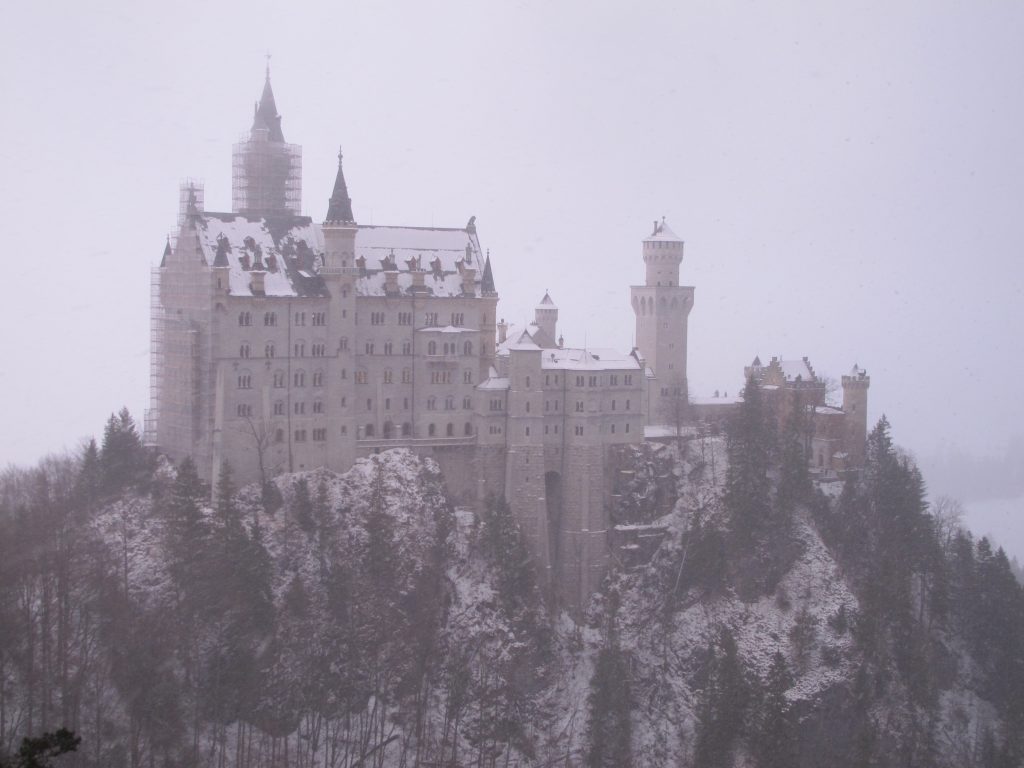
column 90, row 475
column 609, row 729
column 302, row 506
column 122, row 458
column 723, row 704
column 749, row 445
column 776, row 739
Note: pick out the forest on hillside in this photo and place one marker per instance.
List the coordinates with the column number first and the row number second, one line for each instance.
column 362, row 620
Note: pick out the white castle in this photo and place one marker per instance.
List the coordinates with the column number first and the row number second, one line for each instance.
column 280, row 344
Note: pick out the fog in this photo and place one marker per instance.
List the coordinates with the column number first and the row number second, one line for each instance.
column 849, row 181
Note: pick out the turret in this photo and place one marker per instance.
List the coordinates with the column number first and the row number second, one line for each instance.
column 855, row 405
column 266, row 172
column 546, row 317
column 663, row 254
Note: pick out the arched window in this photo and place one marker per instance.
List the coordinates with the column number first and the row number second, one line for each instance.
column 243, row 351
column 318, row 379
column 268, row 350
column 431, row 403
column 369, row 430
column 299, row 379
column 389, row 430
column 406, row 429
column 449, row 403
column 432, row 348
column 450, row 430
column 467, row 348
column 432, row 430
column 388, row 376
column 468, row 430
column 343, row 344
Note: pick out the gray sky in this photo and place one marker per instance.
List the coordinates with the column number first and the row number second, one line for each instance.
column 848, row 178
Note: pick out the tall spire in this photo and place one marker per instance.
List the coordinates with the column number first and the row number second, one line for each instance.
column 339, row 207
column 266, row 116
column 487, row 281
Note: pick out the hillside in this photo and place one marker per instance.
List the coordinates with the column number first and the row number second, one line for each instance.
column 360, row 619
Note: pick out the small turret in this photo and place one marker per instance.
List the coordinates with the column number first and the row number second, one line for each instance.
column 339, row 207
column 855, row 405
column 663, row 255
column 546, row 317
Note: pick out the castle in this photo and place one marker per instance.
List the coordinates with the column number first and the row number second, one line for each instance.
column 282, row 344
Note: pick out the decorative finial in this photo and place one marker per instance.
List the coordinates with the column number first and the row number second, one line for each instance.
column 339, row 155
column 268, row 66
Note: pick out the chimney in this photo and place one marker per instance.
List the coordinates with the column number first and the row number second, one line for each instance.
column 256, row 282
column 502, row 331
column 391, row 282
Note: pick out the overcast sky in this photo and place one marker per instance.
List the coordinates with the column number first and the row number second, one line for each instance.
column 848, row 178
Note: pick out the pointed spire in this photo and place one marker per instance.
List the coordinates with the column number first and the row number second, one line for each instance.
column 266, row 117
column 339, row 207
column 167, row 252
column 487, row 281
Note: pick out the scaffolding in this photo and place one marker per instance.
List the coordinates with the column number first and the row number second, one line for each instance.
column 266, row 177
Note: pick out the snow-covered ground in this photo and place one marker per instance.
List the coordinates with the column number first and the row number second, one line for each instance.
column 1002, row 520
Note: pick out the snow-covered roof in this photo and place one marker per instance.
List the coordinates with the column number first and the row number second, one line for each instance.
column 291, row 249
column 494, row 383
column 446, row 329
column 546, row 302
column 662, row 231
column 588, row 359
column 827, row 410
column 523, row 342
column 287, row 248
column 794, row 369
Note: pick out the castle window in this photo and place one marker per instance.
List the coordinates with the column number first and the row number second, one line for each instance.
column 405, row 318
column 406, row 376
column 406, row 429
column 319, row 349
column 279, row 379
column 344, row 401
column 627, row 426
column 387, row 403
column 318, row 379
column 318, row 406
column 527, row 434
column 593, row 381
column 279, row 435
column 431, row 430
column 368, row 430
column 299, row 350
column 344, row 429
column 527, row 406
column 270, row 318
column 319, row 434
column 369, row 404
column 450, row 430
column 388, row 348
column 299, row 408
column 527, row 382
column 376, row 318
column 457, row 319
column 467, row 429
column 406, row 347
column 344, row 373
column 613, row 429
column 627, row 406
column 299, row 379
column 579, row 431
column 545, row 429
column 430, row 319
column 557, row 405
column 319, row 318
column 279, row 408
column 556, row 429
column 244, row 409
column 405, row 403
column 579, row 406
column 243, row 351
column 343, row 344
column 467, row 403
column 300, row 318
column 613, row 405
column 467, row 376
column 432, row 348
column 467, row 348
column 268, row 351
column 387, row 376
column 245, row 318
column 368, row 347
column 628, row 379
column 613, row 380
column 449, row 403
column 244, row 381
column 431, row 403
column 579, row 381
column 300, row 435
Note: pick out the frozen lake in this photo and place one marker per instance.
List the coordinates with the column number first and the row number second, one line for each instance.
column 1002, row 520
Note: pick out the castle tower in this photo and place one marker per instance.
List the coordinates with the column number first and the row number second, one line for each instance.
column 266, row 171
column 662, row 307
column 339, row 274
column 546, row 317
column 855, row 406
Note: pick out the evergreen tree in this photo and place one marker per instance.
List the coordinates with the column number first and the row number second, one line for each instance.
column 776, row 739
column 122, row 458
column 723, row 704
column 302, row 505
column 749, row 445
column 39, row 751
column 90, row 475
column 609, row 730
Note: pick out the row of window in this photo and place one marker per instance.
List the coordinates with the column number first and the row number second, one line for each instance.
column 595, row 381
column 245, row 319
column 316, row 349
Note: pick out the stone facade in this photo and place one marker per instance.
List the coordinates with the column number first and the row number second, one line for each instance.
column 280, row 344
